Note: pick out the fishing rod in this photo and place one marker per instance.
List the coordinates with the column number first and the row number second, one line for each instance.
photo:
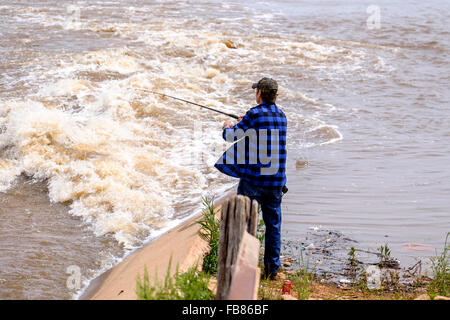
column 196, row 104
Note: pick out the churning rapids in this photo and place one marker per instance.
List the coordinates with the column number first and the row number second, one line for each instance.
column 91, row 168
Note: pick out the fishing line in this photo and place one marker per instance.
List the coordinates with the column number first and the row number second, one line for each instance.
column 190, row 102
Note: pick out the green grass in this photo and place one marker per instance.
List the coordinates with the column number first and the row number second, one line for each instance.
column 269, row 290
column 352, row 259
column 261, row 231
column 209, row 231
column 189, row 285
column 440, row 284
column 385, row 254
column 303, row 280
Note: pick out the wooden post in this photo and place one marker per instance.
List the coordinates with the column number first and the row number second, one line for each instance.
column 235, row 256
column 254, row 218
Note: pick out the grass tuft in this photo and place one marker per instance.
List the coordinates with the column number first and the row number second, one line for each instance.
column 440, row 284
column 209, row 231
column 190, row 285
column 303, row 280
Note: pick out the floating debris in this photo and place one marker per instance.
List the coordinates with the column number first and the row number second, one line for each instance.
column 333, row 256
column 230, row 44
column 299, row 164
column 391, row 263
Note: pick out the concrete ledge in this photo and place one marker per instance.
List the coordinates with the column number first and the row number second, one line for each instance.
column 183, row 244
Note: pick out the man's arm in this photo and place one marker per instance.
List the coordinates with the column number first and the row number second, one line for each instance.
column 244, row 122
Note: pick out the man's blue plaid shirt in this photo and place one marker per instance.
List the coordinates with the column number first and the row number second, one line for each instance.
column 263, row 161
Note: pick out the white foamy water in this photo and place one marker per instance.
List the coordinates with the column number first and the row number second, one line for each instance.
column 126, row 165
column 103, row 146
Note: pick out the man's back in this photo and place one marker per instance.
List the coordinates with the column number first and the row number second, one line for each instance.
column 264, row 127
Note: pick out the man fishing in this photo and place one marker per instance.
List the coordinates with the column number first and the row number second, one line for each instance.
column 258, row 159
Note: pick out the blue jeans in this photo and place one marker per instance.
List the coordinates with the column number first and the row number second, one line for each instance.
column 270, row 201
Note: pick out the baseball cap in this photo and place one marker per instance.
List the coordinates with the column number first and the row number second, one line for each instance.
column 266, row 84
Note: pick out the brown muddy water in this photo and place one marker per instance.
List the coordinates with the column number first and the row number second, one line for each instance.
column 91, row 168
